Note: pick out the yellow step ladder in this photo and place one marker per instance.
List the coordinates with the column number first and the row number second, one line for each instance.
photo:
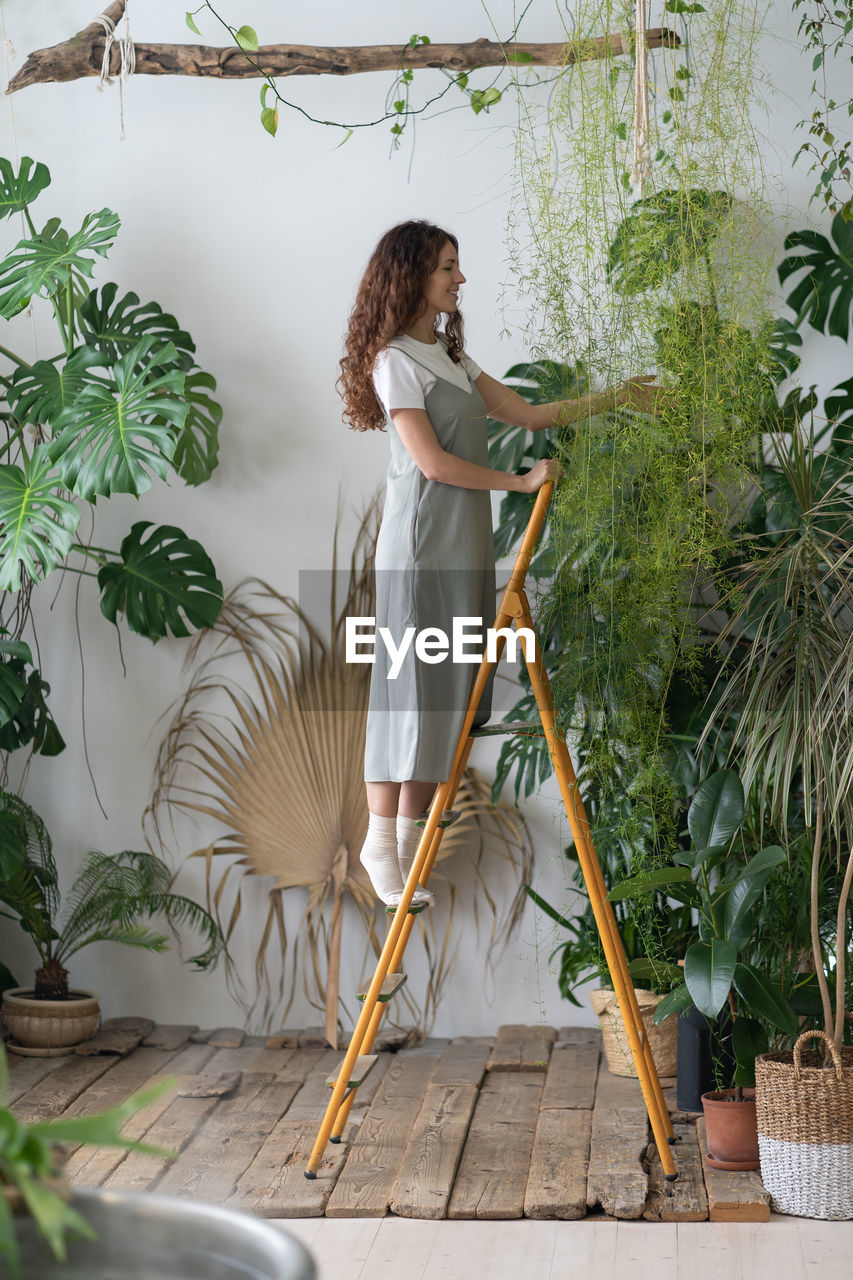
column 514, row 609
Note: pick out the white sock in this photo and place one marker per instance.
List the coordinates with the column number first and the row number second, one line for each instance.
column 408, row 836
column 379, row 857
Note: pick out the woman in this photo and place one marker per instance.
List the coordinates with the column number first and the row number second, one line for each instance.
column 435, row 551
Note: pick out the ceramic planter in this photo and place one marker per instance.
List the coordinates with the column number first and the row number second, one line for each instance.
column 617, row 1050
column 144, row 1236
column 48, row 1028
column 731, row 1129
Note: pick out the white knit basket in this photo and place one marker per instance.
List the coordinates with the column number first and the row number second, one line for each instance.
column 805, row 1130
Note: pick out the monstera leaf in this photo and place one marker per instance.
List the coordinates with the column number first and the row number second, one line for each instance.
column 24, row 713
column 47, row 390
column 12, row 687
column 36, row 523
column 116, row 327
column 783, row 339
column 44, row 264
column 164, row 582
column 662, row 234
column 825, row 293
column 125, row 429
column 17, row 190
column 197, row 451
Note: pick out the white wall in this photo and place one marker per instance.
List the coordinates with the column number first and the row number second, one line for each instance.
column 257, row 245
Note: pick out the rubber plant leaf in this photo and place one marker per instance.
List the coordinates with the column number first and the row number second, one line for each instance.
column 748, row 1040
column 824, row 292
column 749, row 886
column 17, row 190
column 44, row 264
column 765, row 1000
column 124, row 430
column 165, row 582
column 36, row 522
column 708, row 972
column 716, row 811
column 662, row 234
column 46, row 391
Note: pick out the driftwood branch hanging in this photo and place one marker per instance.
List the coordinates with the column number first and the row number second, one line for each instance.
column 83, row 56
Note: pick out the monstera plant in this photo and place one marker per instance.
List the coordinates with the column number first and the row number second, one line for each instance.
column 120, row 402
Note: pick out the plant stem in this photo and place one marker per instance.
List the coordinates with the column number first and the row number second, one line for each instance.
column 841, row 952
column 817, row 953
column 10, row 355
column 12, row 438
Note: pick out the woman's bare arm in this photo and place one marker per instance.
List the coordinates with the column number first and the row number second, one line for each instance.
column 505, row 405
column 416, row 432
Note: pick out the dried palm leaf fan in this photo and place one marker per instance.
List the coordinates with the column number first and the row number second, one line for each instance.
column 268, row 744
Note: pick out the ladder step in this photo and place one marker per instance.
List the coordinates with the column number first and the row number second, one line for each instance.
column 392, row 984
column 447, row 819
column 532, row 730
column 362, row 1068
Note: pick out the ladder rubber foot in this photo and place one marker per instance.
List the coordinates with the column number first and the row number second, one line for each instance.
column 672, row 1141
column 334, row 1139
column 670, row 1177
column 309, row 1175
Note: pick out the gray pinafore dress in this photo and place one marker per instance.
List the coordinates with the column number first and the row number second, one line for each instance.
column 435, row 561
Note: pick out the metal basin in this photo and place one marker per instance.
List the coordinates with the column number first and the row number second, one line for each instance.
column 144, row 1236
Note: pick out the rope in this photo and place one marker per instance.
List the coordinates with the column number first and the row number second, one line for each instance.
column 642, row 153
column 127, row 50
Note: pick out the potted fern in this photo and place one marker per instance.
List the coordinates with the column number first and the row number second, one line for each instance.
column 111, row 900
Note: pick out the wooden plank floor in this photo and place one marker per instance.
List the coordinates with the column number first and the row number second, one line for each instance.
column 529, row 1123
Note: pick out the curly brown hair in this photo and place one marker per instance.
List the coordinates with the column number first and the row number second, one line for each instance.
column 389, row 300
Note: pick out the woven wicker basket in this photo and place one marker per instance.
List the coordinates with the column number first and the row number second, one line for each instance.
column 805, row 1129
column 663, row 1040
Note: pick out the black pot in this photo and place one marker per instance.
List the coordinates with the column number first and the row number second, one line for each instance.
column 702, row 1042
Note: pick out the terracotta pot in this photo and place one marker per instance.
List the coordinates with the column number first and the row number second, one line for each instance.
column 731, row 1129
column 48, row 1028
column 663, row 1039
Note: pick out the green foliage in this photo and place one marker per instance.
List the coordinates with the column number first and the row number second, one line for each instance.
column 824, row 295
column 17, row 190
column 123, row 402
column 727, row 895
column 44, row 265
column 28, row 1164
column 110, row 900
column 36, row 523
column 162, row 583
column 827, row 31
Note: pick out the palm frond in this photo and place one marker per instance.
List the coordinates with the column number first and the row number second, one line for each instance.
column 266, row 747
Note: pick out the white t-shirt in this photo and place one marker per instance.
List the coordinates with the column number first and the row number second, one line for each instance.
column 402, row 383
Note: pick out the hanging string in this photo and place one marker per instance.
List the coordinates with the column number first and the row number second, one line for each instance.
column 127, row 50
column 9, row 56
column 642, row 165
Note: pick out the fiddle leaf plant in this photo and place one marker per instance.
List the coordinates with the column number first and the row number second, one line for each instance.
column 121, row 403
column 726, row 892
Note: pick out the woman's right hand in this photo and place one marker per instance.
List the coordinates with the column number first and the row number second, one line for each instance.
column 547, row 469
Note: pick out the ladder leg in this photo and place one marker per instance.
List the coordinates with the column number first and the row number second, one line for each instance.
column 602, row 909
column 373, row 1027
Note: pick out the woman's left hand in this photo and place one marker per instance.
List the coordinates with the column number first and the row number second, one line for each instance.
column 642, row 394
